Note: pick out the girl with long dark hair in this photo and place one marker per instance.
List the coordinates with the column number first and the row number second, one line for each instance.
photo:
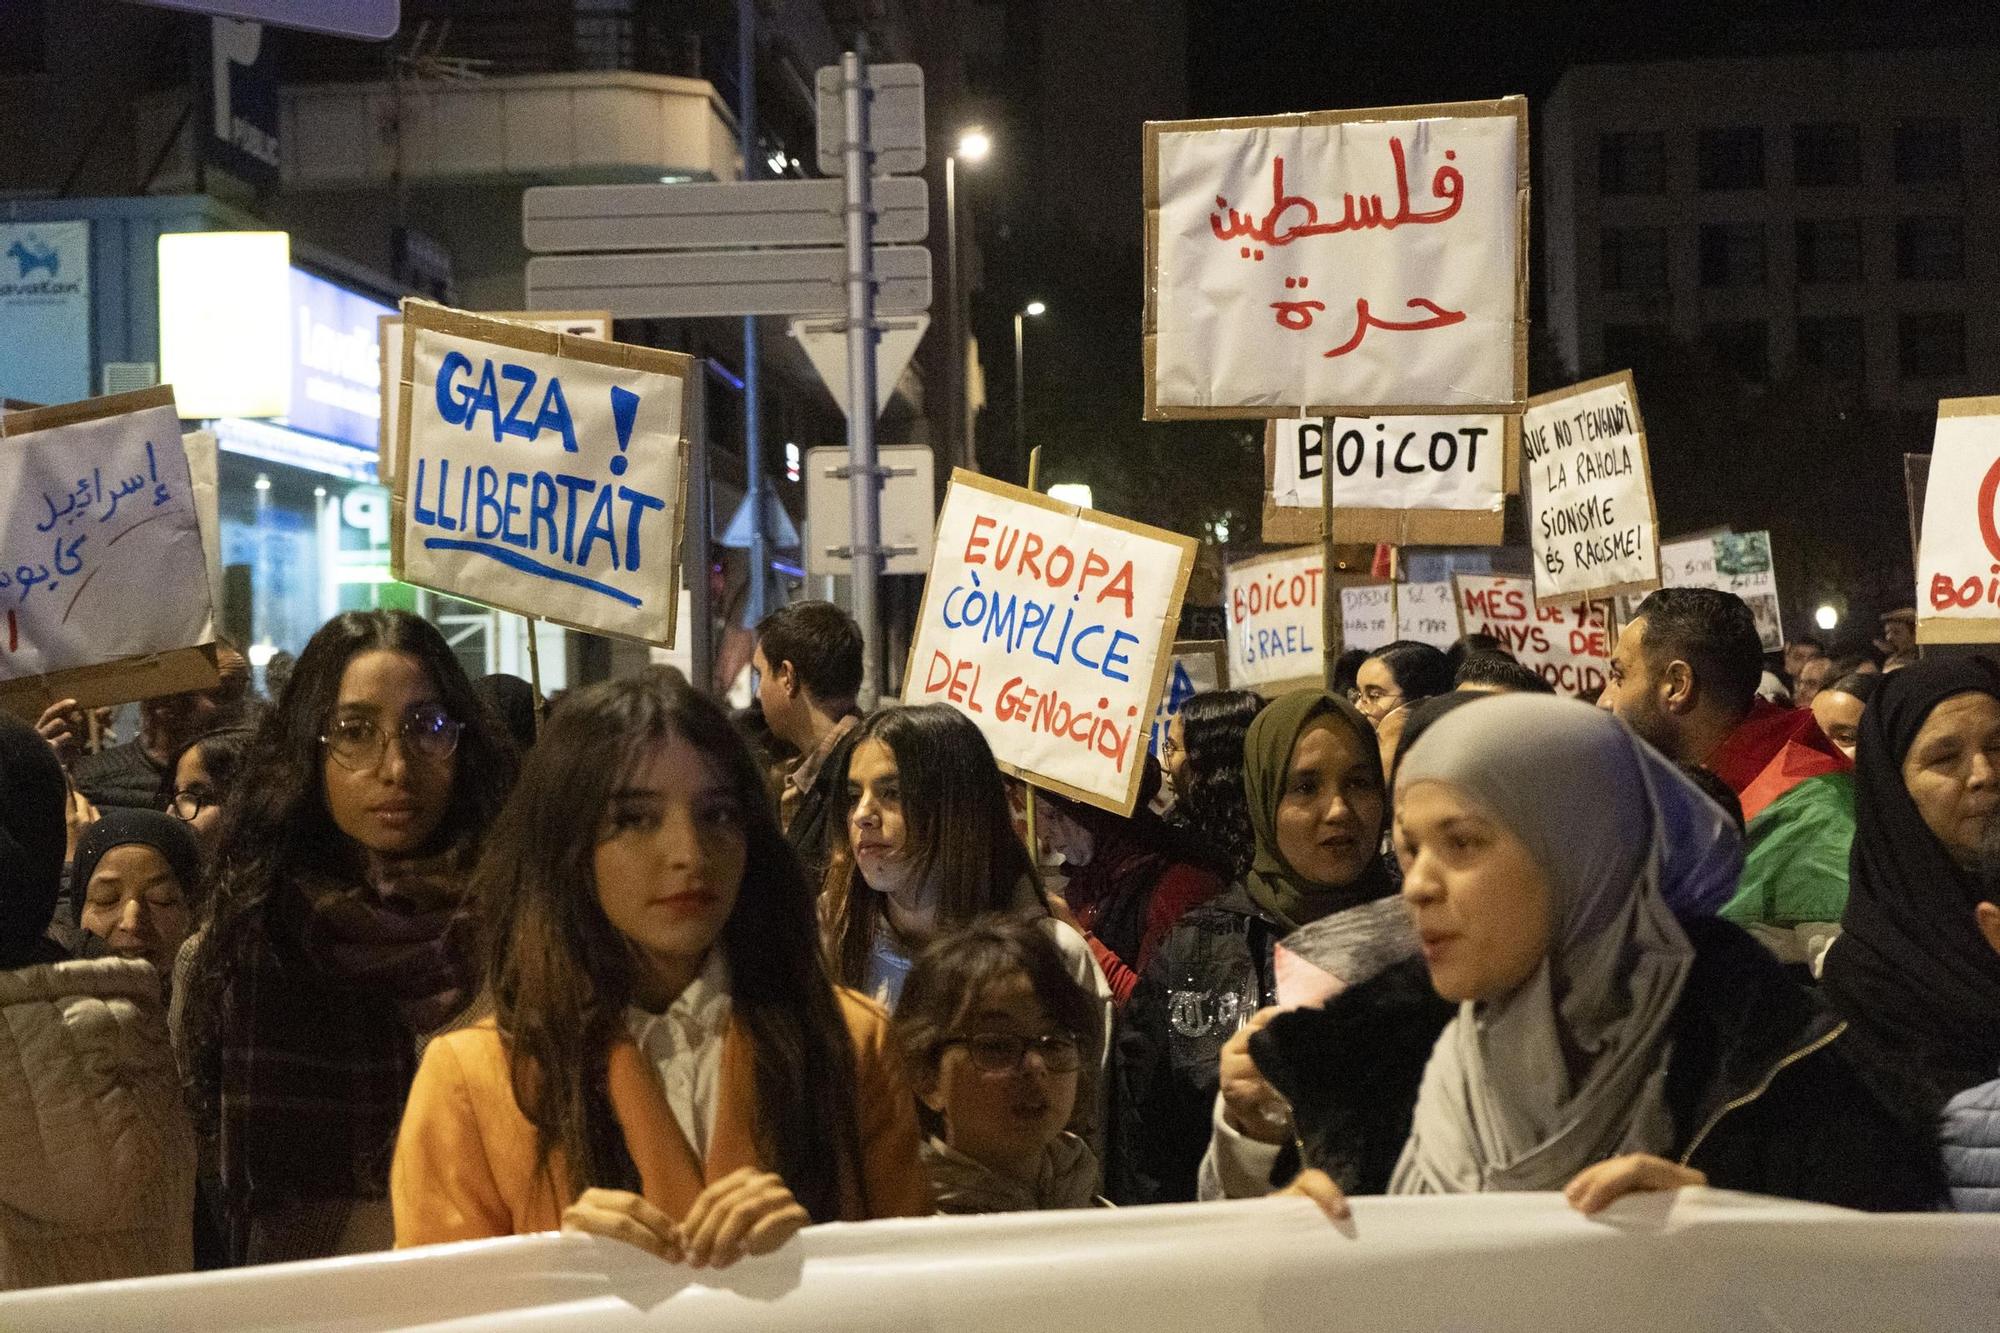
column 339, row 931
column 667, row 1061
column 1203, row 759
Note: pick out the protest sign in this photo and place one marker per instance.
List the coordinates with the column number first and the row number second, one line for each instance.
column 1735, row 562
column 1428, row 613
column 1052, row 628
column 1663, row 1262
column 1407, row 481
column 1591, row 519
column 1276, row 620
column 204, row 473
column 1367, row 612
column 1568, row 645
column 541, row 473
column 1958, row 555
column 1199, row 665
column 104, row 586
column 1369, row 262
column 389, row 345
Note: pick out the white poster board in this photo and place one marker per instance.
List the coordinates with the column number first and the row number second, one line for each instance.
column 1341, row 262
column 204, row 472
column 1591, row 519
column 1275, row 620
column 1568, row 645
column 1367, row 612
column 389, row 342
column 1958, row 595
column 1199, row 666
column 541, row 473
column 1428, row 613
column 101, row 553
column 1052, row 628
column 1407, row 481
column 1737, row 562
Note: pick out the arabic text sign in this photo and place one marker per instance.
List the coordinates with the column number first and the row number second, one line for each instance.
column 1958, row 589
column 1427, row 613
column 1338, row 262
column 1569, row 645
column 1590, row 492
column 541, row 473
column 1275, row 617
column 100, row 546
column 1199, row 666
column 1051, row 627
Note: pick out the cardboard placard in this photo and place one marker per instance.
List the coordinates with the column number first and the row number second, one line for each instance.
column 1199, row 667
column 541, row 473
column 1958, row 593
column 1569, row 646
column 595, row 324
column 1367, row 614
column 1363, row 262
column 1406, row 481
column 1275, row 620
column 1052, row 628
column 104, row 583
column 1592, row 522
column 1428, row 613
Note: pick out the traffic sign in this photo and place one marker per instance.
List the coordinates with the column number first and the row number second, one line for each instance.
column 825, row 343
column 909, row 510
column 722, row 215
column 895, row 119
column 725, row 282
column 371, row 20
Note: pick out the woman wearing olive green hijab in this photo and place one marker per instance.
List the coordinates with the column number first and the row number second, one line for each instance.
column 1313, row 783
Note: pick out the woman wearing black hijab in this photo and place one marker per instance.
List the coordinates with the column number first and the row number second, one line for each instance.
column 1910, row 970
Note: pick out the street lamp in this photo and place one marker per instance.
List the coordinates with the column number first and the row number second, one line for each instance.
column 973, row 146
column 1032, row 309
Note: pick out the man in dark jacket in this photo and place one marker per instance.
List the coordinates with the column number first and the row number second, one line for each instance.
column 128, row 776
column 808, row 665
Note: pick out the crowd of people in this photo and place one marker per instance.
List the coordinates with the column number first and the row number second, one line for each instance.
column 391, row 958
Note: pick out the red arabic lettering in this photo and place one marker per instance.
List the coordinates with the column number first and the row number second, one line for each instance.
column 1297, row 314
column 1365, row 319
column 1357, row 214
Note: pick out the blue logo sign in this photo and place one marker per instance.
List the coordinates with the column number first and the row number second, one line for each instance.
column 31, row 252
column 45, row 311
column 336, row 361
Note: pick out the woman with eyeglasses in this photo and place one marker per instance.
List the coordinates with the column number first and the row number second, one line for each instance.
column 1394, row 679
column 992, row 1032
column 339, row 934
column 198, row 778
column 666, row 1061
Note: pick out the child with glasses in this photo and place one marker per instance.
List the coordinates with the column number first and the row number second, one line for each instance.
column 992, row 1031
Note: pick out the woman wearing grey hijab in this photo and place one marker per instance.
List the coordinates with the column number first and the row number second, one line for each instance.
column 1603, row 1044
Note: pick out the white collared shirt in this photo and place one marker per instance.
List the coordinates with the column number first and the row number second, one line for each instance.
column 684, row 1046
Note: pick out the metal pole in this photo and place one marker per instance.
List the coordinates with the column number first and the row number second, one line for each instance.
column 700, row 632
column 864, row 482
column 753, row 454
column 955, row 373
column 1020, row 397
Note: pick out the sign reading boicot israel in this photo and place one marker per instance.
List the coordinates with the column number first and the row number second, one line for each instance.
column 541, row 473
column 1051, row 627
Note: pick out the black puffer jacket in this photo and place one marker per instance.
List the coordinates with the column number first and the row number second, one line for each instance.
column 1212, row 972
column 1768, row 1091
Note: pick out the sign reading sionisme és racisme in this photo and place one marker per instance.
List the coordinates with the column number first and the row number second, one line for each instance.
column 1340, row 263
column 541, row 473
column 1051, row 627
column 1591, row 519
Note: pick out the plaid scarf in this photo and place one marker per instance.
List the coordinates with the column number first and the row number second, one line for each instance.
column 322, row 1030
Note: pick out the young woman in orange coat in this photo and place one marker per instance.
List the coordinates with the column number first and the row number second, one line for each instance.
column 666, row 1061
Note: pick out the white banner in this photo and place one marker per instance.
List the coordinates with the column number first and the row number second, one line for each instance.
column 1495, row 1263
column 1437, row 462
column 1570, row 645
column 541, row 473
column 1338, row 261
column 1052, row 628
column 1367, row 615
column 1276, row 619
column 100, row 542
column 1958, row 596
column 1590, row 492
column 1738, row 562
column 1427, row 613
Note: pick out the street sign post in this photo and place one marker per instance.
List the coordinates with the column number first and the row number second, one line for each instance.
column 724, row 282
column 908, row 513
column 726, row 215
column 825, row 344
column 895, row 119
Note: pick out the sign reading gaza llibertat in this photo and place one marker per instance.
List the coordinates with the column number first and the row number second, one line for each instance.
column 541, row 473
column 1338, row 263
column 1052, row 628
column 1592, row 525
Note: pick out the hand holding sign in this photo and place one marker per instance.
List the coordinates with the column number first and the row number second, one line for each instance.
column 541, row 473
